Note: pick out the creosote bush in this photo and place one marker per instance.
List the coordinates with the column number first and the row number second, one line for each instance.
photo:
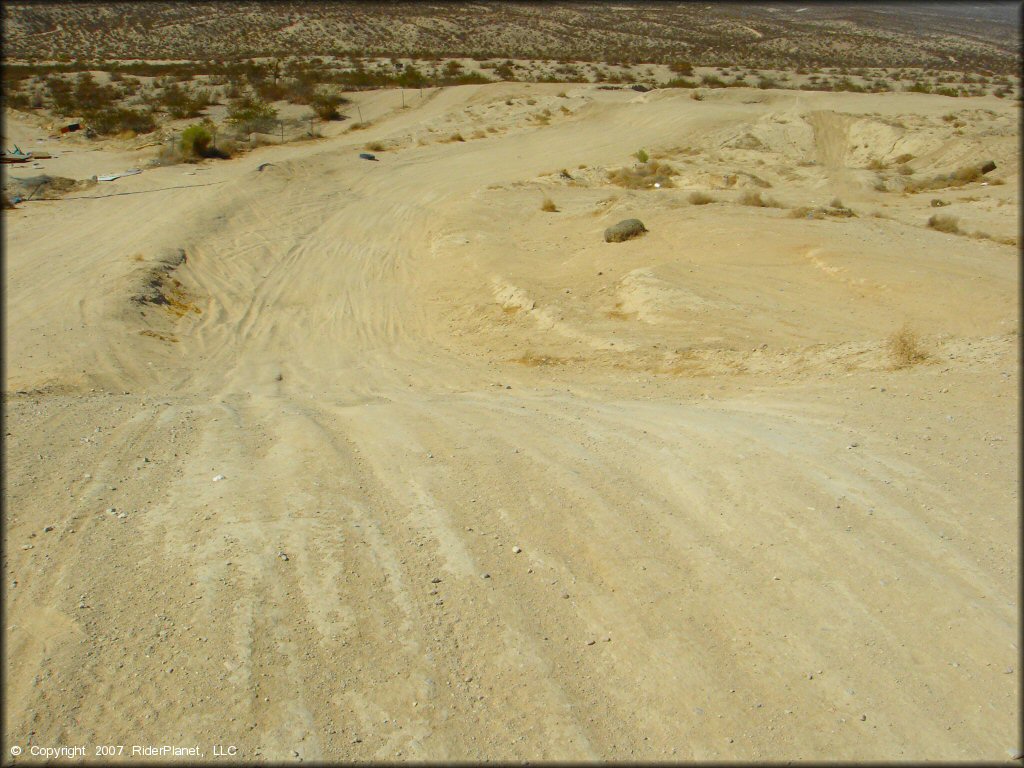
column 700, row 198
column 548, row 205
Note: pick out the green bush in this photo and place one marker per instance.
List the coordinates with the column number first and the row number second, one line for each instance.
column 325, row 105
column 250, row 115
column 196, row 141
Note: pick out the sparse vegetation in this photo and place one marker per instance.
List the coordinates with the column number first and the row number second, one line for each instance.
column 700, row 198
column 644, row 176
column 548, row 205
column 626, row 229
column 942, row 222
column 905, row 348
column 757, row 199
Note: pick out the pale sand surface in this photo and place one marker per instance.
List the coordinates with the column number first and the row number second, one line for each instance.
column 781, row 547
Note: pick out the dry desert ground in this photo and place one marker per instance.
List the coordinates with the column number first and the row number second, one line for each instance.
column 340, row 460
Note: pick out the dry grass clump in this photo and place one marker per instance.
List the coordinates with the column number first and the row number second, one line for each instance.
column 643, row 176
column 944, row 223
column 455, row 137
column 905, row 348
column 700, row 198
column 756, row 199
column 359, row 126
column 548, row 205
column 809, row 212
column 375, row 146
column 945, row 180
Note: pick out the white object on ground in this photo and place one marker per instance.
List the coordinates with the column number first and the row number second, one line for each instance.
column 112, row 176
column 218, row 478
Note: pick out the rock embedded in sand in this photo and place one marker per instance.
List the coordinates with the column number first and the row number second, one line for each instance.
column 624, row 230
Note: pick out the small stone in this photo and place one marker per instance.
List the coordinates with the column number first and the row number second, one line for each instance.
column 218, row 478
column 565, row 595
column 863, row 718
column 435, row 580
column 282, row 555
column 516, row 550
column 111, row 510
column 47, row 529
column 485, row 575
column 590, row 642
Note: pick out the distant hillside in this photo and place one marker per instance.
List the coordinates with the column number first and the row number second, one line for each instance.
column 966, row 36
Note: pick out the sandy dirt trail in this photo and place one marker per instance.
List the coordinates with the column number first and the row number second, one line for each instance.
column 400, row 467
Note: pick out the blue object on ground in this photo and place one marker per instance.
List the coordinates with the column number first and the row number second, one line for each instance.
column 367, row 156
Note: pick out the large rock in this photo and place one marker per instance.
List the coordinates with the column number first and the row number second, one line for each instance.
column 624, row 230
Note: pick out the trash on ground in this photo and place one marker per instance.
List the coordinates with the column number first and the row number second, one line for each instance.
column 367, row 156
column 112, row 176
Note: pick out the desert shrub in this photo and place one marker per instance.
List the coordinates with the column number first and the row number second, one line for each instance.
column 644, row 176
column 119, row 120
column 905, row 348
column 456, row 137
column 680, row 82
column 250, row 115
column 197, row 142
column 944, row 223
column 700, row 198
column 641, row 155
column 16, row 100
column 683, row 68
column 548, row 205
column 836, row 203
column 756, row 199
column 375, row 146
column 181, row 102
column 325, row 105
column 876, row 164
column 626, row 229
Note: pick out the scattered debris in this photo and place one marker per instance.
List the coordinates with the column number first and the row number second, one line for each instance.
column 113, row 176
column 367, row 156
